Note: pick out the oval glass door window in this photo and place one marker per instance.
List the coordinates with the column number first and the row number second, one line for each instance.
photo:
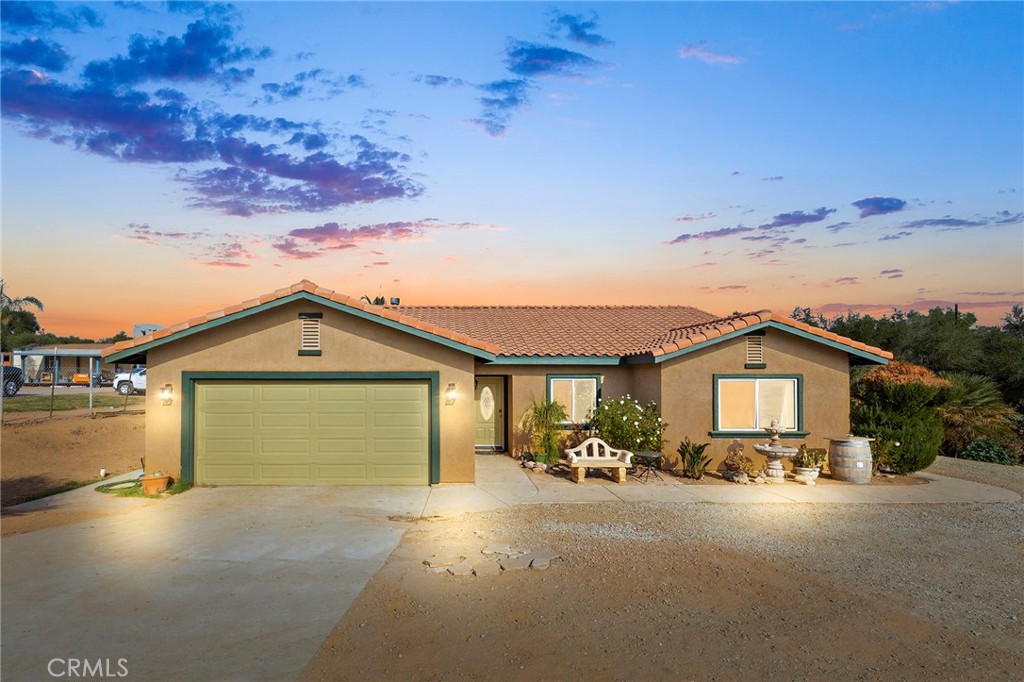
column 486, row 403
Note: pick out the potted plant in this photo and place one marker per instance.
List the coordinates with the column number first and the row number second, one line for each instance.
column 694, row 462
column 544, row 421
column 807, row 462
column 155, row 483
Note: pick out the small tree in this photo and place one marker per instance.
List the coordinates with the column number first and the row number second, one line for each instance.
column 896, row 404
column 544, row 423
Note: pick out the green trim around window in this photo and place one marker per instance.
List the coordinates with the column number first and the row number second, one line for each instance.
column 556, row 360
column 790, row 435
column 140, row 351
column 188, row 412
column 311, row 353
column 595, row 377
column 715, row 432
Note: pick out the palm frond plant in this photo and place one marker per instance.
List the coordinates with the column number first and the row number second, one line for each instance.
column 973, row 409
column 545, row 422
column 694, row 462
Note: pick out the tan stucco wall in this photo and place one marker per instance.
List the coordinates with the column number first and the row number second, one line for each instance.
column 269, row 342
column 687, row 390
column 526, row 383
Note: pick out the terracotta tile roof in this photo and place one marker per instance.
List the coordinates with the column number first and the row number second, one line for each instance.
column 692, row 335
column 609, row 331
column 305, row 285
column 536, row 331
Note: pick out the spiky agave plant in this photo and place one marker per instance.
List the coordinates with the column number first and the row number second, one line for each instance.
column 693, row 459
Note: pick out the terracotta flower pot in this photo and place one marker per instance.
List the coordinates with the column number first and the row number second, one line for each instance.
column 153, row 485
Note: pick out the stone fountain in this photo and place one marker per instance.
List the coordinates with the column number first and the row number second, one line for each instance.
column 774, row 451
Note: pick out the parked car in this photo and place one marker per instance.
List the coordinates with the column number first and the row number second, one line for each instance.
column 127, row 383
column 13, row 380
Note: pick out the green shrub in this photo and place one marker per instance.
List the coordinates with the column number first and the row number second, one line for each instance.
column 693, row 459
column 625, row 424
column 973, row 409
column 985, row 450
column 898, row 409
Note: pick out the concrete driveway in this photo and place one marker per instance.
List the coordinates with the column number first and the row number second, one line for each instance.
column 215, row 584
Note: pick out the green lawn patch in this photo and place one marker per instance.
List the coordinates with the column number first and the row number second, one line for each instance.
column 62, row 403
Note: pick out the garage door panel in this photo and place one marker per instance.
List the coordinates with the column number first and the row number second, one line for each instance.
column 341, row 420
column 342, row 474
column 231, row 446
column 294, row 473
column 243, row 394
column 229, row 474
column 342, row 433
column 285, row 419
column 350, row 446
column 245, row 421
column 341, row 393
column 271, row 394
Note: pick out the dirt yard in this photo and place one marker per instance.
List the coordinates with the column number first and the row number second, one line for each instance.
column 39, row 454
column 698, row 592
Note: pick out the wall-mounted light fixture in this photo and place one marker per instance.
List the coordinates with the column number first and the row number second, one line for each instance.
column 450, row 395
column 167, row 394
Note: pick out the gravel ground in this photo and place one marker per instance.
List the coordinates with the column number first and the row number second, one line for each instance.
column 701, row 592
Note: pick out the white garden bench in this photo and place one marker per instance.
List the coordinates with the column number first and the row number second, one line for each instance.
column 594, row 453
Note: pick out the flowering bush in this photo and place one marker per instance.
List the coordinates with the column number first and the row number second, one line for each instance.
column 625, row 424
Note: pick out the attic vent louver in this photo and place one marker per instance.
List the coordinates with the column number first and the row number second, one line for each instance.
column 755, row 350
column 309, row 333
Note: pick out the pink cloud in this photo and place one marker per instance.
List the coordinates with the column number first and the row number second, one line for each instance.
column 698, row 51
column 310, row 242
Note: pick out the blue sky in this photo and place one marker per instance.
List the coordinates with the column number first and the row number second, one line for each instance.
column 161, row 160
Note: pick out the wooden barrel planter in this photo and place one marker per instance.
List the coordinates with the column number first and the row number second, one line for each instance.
column 849, row 459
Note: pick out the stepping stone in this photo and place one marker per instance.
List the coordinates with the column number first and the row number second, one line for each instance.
column 486, row 568
column 436, row 560
column 517, row 564
column 496, row 549
column 461, row 568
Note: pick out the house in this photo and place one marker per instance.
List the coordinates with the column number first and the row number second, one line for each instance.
column 305, row 385
column 43, row 364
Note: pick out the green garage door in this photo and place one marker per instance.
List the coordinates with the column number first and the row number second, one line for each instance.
column 297, row 433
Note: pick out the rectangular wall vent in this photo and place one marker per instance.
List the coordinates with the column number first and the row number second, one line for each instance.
column 310, row 333
column 755, row 350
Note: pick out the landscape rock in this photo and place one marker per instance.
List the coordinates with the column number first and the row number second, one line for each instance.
column 519, row 563
column 486, row 568
column 450, row 560
column 461, row 568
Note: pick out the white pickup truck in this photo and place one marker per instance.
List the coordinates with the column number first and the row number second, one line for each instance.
column 127, row 383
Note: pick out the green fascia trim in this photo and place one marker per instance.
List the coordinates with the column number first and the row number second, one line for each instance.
column 310, row 353
column 556, row 360
column 877, row 359
column 291, row 298
column 794, row 435
column 595, row 377
column 188, row 413
column 757, row 434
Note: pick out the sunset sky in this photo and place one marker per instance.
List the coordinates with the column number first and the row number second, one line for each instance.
column 164, row 160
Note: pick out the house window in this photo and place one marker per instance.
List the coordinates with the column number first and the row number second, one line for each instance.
column 309, row 333
column 748, row 403
column 578, row 394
